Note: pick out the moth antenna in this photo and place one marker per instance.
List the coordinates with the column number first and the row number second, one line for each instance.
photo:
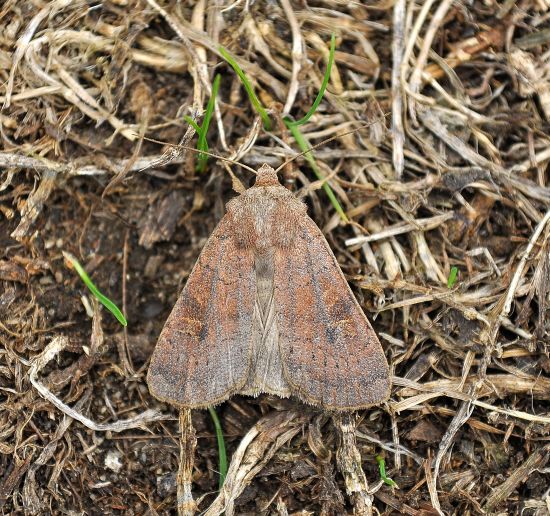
column 193, row 149
column 328, row 140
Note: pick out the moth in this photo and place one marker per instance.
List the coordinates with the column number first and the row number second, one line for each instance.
column 267, row 309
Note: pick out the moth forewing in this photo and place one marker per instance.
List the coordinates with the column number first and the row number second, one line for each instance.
column 331, row 355
column 203, row 354
column 267, row 309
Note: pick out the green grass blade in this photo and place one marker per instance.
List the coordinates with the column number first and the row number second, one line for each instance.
column 248, row 87
column 202, row 131
column 190, row 121
column 382, row 468
column 221, row 446
column 324, row 85
column 302, row 141
column 304, row 145
column 453, row 276
column 293, row 126
column 202, row 144
column 105, row 301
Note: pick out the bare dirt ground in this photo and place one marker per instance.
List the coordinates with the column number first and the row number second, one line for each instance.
column 448, row 167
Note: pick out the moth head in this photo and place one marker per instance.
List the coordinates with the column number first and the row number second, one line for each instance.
column 266, row 176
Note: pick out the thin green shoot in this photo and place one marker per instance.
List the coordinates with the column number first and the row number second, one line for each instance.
column 105, row 301
column 453, row 276
column 304, row 145
column 221, row 446
column 382, row 468
column 294, row 126
column 324, row 85
column 202, row 131
column 302, row 141
column 248, row 87
column 196, row 126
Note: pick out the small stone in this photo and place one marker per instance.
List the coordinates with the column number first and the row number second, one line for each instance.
column 112, row 461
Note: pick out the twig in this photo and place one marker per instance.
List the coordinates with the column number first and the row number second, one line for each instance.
column 34, row 204
column 123, row 351
column 188, row 442
column 348, row 459
column 535, row 461
column 257, row 447
column 57, row 345
column 397, row 91
column 401, row 228
column 297, row 55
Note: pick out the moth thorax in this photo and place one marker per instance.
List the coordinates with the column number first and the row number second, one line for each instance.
column 264, row 236
column 266, row 217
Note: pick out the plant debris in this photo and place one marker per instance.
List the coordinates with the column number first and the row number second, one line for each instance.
column 438, row 121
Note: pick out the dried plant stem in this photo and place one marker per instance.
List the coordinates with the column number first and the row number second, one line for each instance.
column 51, row 351
column 188, row 442
column 535, row 462
column 434, row 24
column 403, row 227
column 123, row 348
column 196, row 68
column 257, row 447
column 348, row 460
column 297, row 55
column 518, row 274
column 33, row 503
column 397, row 91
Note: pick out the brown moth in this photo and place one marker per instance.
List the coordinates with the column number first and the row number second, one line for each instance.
column 267, row 309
